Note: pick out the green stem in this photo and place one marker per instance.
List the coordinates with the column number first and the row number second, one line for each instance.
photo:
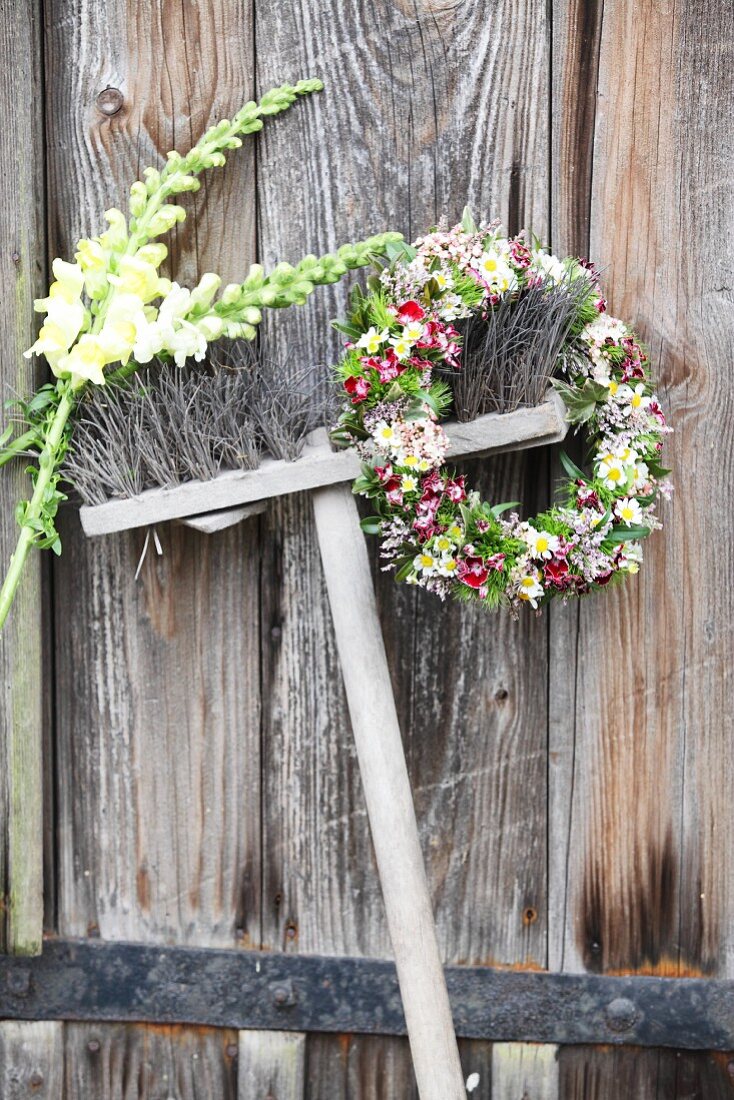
column 47, row 463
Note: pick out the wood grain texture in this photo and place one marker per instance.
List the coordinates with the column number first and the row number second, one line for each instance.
column 22, row 687
column 594, row 1073
column 388, row 93
column 409, row 128
column 272, row 1064
column 359, row 1066
column 158, row 702
column 31, row 1061
column 521, row 1071
column 158, row 735
column 131, row 1062
column 362, row 1067
column 639, row 758
column 637, row 847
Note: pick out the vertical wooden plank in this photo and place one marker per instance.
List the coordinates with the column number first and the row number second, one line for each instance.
column 361, row 1067
column 575, row 48
column 31, row 1061
column 651, row 760
column 271, row 1064
column 22, row 680
column 119, row 1062
column 626, row 1073
column 411, row 126
column 158, row 698
column 521, row 1071
column 641, row 703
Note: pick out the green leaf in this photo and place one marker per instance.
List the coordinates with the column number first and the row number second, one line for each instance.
column 618, row 535
column 465, row 515
column 571, row 468
column 349, row 330
column 370, row 525
column 498, row 509
column 393, row 251
column 467, row 221
column 404, row 570
column 656, row 469
column 580, row 401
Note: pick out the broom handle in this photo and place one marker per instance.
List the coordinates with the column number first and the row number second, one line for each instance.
column 388, row 795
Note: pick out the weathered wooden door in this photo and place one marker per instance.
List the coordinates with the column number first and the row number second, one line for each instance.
column 572, row 773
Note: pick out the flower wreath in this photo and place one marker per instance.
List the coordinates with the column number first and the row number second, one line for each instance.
column 435, row 532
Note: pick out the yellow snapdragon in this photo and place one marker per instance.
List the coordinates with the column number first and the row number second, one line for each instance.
column 85, row 361
column 137, row 276
column 66, row 315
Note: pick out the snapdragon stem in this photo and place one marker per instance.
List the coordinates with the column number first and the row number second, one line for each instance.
column 47, row 464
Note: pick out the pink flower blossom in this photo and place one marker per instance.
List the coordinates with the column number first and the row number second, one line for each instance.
column 455, row 489
column 410, row 311
column 358, row 388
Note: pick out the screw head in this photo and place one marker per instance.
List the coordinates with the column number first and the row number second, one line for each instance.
column 19, row 982
column 110, row 101
column 621, row 1014
column 280, row 995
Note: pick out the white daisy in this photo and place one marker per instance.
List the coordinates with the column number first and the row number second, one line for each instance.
column 612, row 472
column 637, row 400
column 401, row 346
column 372, row 340
column 385, row 435
column 425, row 562
column 495, row 271
column 542, row 545
column 529, row 588
column 628, row 510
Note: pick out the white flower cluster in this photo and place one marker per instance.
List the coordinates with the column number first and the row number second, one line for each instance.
column 419, row 445
column 79, row 340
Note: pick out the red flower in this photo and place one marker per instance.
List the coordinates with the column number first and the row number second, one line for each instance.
column 520, row 253
column 586, row 498
column 659, row 415
column 384, row 472
column 455, row 489
column 358, row 387
column 410, row 311
column 424, row 526
column 472, row 572
column 496, row 562
column 432, row 482
column 556, row 572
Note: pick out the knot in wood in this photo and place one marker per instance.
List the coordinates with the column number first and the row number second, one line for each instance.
column 110, row 100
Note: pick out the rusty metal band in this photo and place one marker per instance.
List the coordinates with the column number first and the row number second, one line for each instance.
column 97, row 981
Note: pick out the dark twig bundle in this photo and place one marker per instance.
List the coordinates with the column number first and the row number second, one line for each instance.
column 510, row 354
column 170, row 424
